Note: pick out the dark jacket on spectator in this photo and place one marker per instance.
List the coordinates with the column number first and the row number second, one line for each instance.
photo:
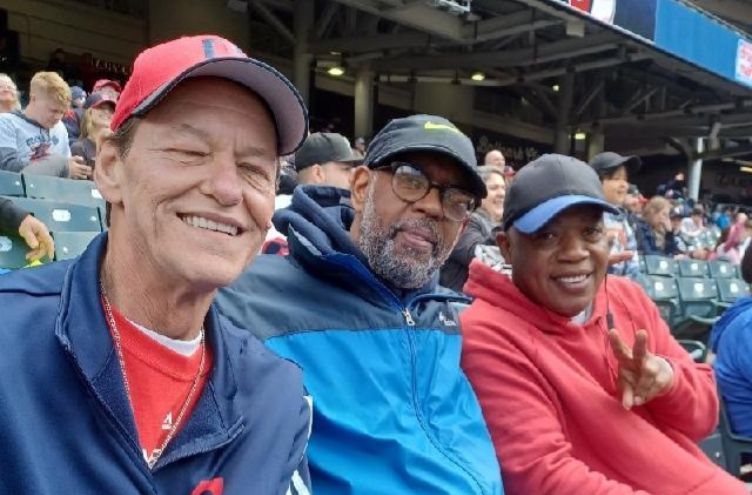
column 86, row 149
column 647, row 242
column 478, row 231
column 11, row 216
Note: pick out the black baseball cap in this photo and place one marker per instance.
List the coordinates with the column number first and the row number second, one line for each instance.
column 322, row 147
column 547, row 186
column 609, row 160
column 426, row 133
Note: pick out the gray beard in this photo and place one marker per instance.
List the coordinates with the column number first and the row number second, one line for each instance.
column 403, row 268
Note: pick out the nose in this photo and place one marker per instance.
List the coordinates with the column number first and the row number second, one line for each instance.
column 573, row 248
column 430, row 204
column 224, row 184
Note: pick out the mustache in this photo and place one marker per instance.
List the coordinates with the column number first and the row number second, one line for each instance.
column 424, row 224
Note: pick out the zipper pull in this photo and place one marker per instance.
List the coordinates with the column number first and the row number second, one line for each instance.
column 408, row 317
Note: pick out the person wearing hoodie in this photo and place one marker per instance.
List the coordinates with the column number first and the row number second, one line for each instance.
column 356, row 304
column 584, row 389
column 731, row 342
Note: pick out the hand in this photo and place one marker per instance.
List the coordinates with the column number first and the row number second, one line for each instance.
column 77, row 169
column 616, row 258
column 37, row 237
column 643, row 376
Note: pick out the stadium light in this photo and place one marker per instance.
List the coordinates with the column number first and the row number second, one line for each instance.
column 580, row 136
column 555, row 87
column 478, row 76
column 336, row 71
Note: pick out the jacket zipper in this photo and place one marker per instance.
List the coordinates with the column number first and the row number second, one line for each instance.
column 408, row 317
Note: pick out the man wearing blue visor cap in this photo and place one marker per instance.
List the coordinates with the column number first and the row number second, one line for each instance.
column 583, row 388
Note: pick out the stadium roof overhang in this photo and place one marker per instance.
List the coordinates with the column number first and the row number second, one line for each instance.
column 645, row 91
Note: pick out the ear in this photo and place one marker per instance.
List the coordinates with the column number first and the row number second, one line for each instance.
column 360, row 179
column 318, row 175
column 108, row 172
column 502, row 240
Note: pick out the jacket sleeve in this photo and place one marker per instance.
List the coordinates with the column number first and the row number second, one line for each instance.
column 537, row 458
column 691, row 404
column 9, row 159
column 464, row 251
column 11, row 216
column 300, row 480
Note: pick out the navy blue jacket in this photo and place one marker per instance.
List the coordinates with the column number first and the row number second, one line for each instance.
column 66, row 425
column 393, row 411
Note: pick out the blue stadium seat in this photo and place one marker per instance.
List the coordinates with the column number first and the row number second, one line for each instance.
column 731, row 289
column 13, row 251
column 693, row 268
column 721, row 269
column 82, row 192
column 62, row 217
column 70, row 244
column 734, row 446
column 664, row 292
column 660, row 265
column 698, row 298
column 11, row 184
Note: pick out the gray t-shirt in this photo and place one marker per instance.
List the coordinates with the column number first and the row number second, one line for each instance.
column 23, row 141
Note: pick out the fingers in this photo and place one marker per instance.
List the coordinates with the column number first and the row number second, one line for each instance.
column 37, row 237
column 627, row 396
column 640, row 348
column 621, row 350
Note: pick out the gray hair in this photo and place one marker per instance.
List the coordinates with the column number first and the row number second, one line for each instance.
column 486, row 171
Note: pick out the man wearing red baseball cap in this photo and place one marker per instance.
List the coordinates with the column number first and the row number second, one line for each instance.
column 120, row 376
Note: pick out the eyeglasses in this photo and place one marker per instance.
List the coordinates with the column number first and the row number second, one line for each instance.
column 410, row 184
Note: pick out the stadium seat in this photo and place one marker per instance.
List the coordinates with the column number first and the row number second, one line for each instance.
column 696, row 349
column 664, row 292
column 11, row 184
column 734, row 446
column 712, row 446
column 82, row 192
column 699, row 310
column 62, row 217
column 13, row 251
column 660, row 265
column 693, row 268
column 721, row 269
column 70, row 244
column 729, row 290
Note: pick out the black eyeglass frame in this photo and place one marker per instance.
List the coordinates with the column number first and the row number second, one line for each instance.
column 395, row 165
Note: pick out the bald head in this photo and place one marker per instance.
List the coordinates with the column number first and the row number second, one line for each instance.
column 494, row 157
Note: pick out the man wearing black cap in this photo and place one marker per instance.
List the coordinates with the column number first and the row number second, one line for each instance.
column 357, row 305
column 614, row 170
column 583, row 386
column 121, row 376
column 325, row 159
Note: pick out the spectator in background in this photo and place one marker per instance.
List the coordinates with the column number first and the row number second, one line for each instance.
column 95, row 123
column 654, row 231
column 478, row 229
column 613, row 170
column 16, row 221
column 634, row 203
column 509, row 174
column 356, row 304
column 8, row 95
column 326, row 159
column 583, row 387
column 693, row 227
column 35, row 141
column 72, row 118
column 730, row 248
column 495, row 158
column 360, row 147
column 724, row 218
column 109, row 87
column 148, row 383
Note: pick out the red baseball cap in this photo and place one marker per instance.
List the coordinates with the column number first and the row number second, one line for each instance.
column 96, row 100
column 101, row 83
column 157, row 70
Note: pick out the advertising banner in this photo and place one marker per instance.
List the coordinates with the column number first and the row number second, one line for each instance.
column 744, row 62
column 635, row 16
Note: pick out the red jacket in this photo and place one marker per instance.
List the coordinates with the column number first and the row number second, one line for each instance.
column 548, row 392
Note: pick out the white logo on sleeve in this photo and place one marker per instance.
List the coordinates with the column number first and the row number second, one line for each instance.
column 446, row 321
column 167, row 422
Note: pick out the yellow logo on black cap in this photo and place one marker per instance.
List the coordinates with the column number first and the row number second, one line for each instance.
column 430, row 126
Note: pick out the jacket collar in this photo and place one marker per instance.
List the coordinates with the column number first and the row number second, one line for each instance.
column 497, row 289
column 82, row 329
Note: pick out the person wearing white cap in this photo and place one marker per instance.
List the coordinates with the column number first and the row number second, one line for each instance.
column 123, row 378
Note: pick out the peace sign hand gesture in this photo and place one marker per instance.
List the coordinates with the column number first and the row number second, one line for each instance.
column 642, row 375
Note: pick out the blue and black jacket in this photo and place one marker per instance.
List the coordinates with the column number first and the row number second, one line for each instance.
column 66, row 425
column 393, row 412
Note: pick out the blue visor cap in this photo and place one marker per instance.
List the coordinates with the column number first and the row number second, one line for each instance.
column 535, row 219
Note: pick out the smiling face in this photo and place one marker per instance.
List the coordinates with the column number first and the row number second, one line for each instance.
column 194, row 194
column 493, row 203
column 405, row 243
column 615, row 186
column 561, row 266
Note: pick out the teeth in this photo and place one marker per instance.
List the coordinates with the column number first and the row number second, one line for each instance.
column 204, row 223
column 573, row 280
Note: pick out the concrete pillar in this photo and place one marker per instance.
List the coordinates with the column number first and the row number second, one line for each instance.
column 364, row 102
column 596, row 142
column 302, row 59
column 562, row 142
column 695, row 170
